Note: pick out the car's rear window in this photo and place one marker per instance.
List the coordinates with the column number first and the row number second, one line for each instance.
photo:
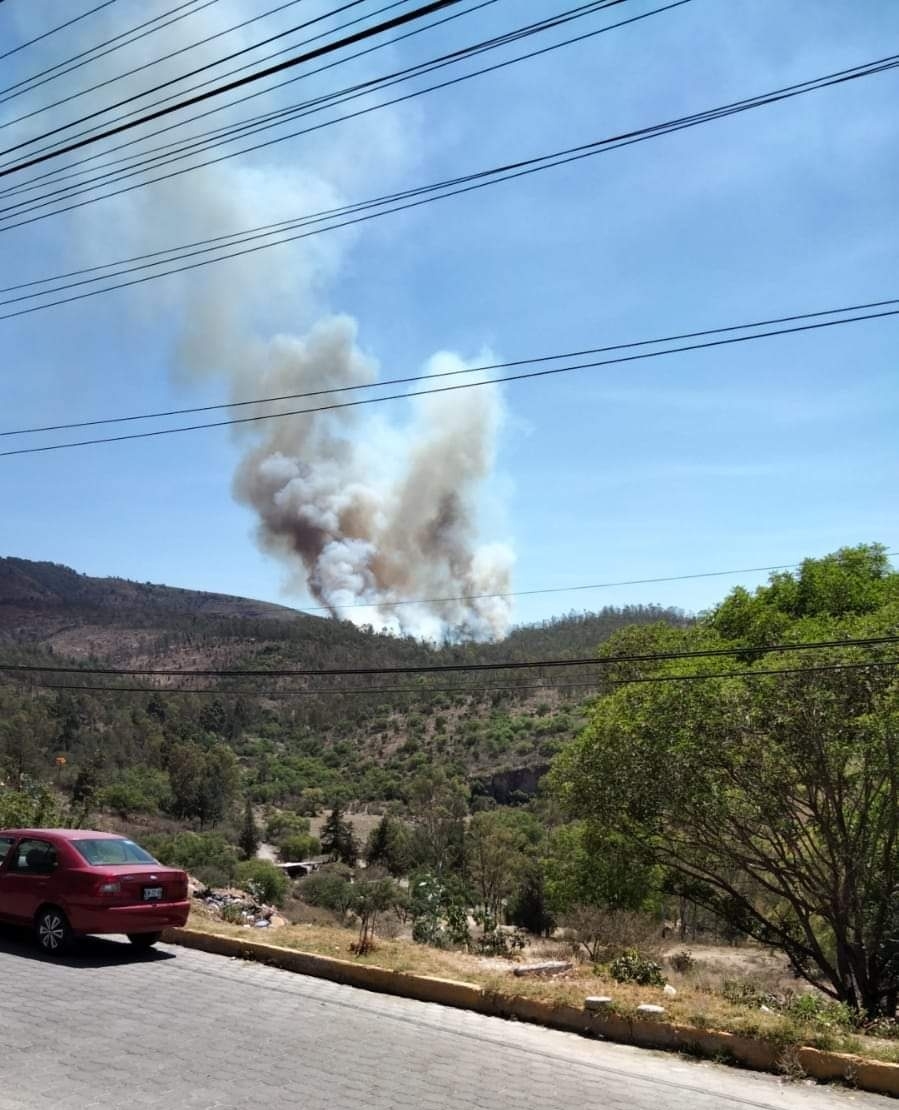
column 113, row 850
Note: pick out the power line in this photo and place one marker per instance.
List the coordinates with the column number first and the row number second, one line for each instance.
column 154, row 158
column 94, row 53
column 470, row 689
column 204, row 84
column 557, row 589
column 62, row 173
column 446, row 388
column 467, row 183
column 146, row 65
column 443, row 668
column 239, row 82
column 53, row 30
column 485, row 368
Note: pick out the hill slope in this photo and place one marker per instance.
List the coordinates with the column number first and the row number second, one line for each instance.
column 363, row 735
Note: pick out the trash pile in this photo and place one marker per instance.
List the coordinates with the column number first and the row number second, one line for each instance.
column 237, row 907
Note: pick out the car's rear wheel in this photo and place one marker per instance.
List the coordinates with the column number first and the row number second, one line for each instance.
column 52, row 931
column 144, row 940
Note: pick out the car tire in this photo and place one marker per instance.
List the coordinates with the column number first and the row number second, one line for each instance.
column 52, row 931
column 144, row 940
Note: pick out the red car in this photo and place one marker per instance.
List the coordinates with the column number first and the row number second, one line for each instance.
column 67, row 881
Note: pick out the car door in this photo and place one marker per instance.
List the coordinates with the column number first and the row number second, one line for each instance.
column 25, row 877
column 6, row 843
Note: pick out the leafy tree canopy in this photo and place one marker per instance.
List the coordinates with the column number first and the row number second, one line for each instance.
column 772, row 799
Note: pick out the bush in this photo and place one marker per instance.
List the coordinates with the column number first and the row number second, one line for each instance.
column 439, row 910
column 326, row 889
column 682, row 962
column 746, row 992
column 137, row 790
column 298, row 846
column 604, row 935
column 207, row 855
column 262, row 880
column 282, row 824
column 631, row 967
column 816, row 1010
column 499, row 943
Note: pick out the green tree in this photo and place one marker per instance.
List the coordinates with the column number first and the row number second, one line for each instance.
column 439, row 808
column 587, row 865
column 369, row 898
column 249, row 833
column 337, row 838
column 204, row 781
column 494, row 862
column 136, row 790
column 770, row 799
column 263, row 880
column 389, row 846
column 298, row 846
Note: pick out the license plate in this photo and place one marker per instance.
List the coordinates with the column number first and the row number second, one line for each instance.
column 152, row 893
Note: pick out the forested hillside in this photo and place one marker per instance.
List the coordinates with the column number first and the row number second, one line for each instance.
column 357, row 738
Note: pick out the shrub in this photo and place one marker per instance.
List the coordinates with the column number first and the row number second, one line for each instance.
column 328, row 890
column 298, row 846
column 207, row 855
column 604, row 935
column 439, row 911
column 822, row 1012
column 746, row 992
column 631, row 967
column 682, row 962
column 262, row 880
column 137, row 790
column 499, row 943
column 283, row 823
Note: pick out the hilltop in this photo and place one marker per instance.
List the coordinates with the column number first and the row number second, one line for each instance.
column 288, row 734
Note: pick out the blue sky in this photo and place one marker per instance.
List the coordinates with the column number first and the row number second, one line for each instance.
column 745, row 456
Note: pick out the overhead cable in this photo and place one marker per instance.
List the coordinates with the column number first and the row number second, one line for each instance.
column 469, row 689
column 444, row 668
column 53, row 30
column 442, row 374
column 145, row 65
column 94, row 53
column 219, row 90
column 522, row 376
column 149, row 160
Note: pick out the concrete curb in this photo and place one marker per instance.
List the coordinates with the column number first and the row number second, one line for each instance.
column 758, row 1055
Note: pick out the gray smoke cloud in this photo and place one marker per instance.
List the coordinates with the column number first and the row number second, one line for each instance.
column 364, row 509
column 368, row 513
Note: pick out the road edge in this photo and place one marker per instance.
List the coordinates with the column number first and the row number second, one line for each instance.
column 758, row 1055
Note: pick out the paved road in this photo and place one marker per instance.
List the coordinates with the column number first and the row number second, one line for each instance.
column 183, row 1030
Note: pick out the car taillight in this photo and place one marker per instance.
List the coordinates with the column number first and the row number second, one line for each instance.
column 109, row 888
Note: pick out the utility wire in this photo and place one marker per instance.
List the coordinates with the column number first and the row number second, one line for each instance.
column 239, row 82
column 94, row 53
column 205, row 84
column 154, row 158
column 53, row 30
column 473, row 181
column 444, row 668
column 485, row 368
column 557, row 589
column 470, row 689
column 146, row 65
column 62, row 173
column 446, row 388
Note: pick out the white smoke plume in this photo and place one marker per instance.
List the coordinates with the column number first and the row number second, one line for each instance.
column 363, row 510
column 372, row 514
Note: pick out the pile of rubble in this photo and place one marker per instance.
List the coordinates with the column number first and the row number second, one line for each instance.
column 237, row 907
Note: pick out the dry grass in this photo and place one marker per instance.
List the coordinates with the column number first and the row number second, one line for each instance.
column 697, row 1002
